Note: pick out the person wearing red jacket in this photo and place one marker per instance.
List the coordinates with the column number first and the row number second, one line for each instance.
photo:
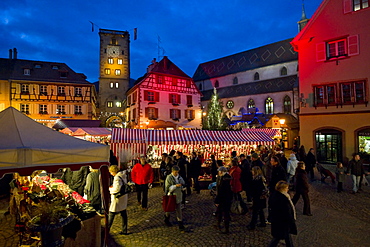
column 236, row 185
column 142, row 175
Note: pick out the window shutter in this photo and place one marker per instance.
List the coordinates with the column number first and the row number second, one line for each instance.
column 170, row 113
column 178, row 99
column 347, row 6
column 145, row 96
column 156, row 112
column 179, row 114
column 156, row 96
column 186, row 114
column 169, row 98
column 353, row 46
column 146, row 112
column 192, row 114
column 320, row 52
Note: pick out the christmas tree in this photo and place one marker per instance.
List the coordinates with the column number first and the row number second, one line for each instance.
column 214, row 120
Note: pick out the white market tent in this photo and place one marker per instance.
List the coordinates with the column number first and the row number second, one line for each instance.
column 26, row 145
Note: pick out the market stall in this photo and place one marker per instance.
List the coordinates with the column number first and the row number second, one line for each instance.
column 28, row 146
column 98, row 135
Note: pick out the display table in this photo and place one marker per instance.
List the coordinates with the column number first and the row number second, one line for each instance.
column 89, row 235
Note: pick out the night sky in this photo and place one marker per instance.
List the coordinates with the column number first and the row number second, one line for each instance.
column 191, row 32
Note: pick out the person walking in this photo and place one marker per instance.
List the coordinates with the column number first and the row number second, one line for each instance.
column 282, row 215
column 291, row 167
column 223, row 199
column 214, row 168
column 258, row 187
column 118, row 205
column 195, row 167
column 246, row 176
column 236, row 185
column 173, row 186
column 256, row 161
column 302, row 188
column 310, row 163
column 340, row 176
column 142, row 175
column 278, row 173
column 356, row 170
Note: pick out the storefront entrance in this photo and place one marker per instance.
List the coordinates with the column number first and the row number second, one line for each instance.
column 329, row 146
column 363, row 138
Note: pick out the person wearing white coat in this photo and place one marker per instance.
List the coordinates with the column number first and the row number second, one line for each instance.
column 291, row 166
column 118, row 205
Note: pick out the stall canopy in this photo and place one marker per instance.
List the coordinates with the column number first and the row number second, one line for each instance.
column 26, row 145
column 272, row 133
column 92, row 132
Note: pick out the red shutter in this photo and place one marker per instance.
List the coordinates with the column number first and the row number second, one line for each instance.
column 156, row 112
column 347, row 6
column 178, row 99
column 170, row 113
column 192, row 114
column 320, row 52
column 169, row 98
column 145, row 95
column 186, row 113
column 179, row 114
column 156, row 96
column 146, row 112
column 353, row 46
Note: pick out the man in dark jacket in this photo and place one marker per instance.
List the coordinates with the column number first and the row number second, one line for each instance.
column 245, row 176
column 256, row 161
column 223, row 198
column 356, row 170
column 277, row 174
column 310, row 163
column 195, row 167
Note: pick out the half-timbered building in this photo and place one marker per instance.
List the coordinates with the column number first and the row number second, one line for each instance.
column 164, row 98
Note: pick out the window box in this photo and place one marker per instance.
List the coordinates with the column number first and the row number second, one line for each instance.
column 151, row 103
column 43, row 112
column 190, row 119
column 175, row 104
column 175, row 119
column 190, row 105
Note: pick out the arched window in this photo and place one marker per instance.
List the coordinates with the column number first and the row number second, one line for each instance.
column 256, row 76
column 200, row 87
column 287, row 105
column 283, row 71
column 269, row 105
column 251, row 104
column 217, row 84
column 235, row 80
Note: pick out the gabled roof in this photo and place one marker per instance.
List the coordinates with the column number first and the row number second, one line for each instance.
column 13, row 69
column 281, row 84
column 270, row 54
column 166, row 66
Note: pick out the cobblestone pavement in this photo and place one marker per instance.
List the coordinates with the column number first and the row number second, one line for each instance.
column 339, row 219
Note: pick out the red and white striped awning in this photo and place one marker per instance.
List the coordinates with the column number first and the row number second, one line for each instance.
column 128, row 135
column 270, row 132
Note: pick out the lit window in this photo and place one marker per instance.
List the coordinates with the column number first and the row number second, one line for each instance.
column 287, row 105
column 110, row 60
column 353, row 92
column 25, row 108
column 117, row 84
column 118, row 104
column 114, row 41
column 61, row 91
column 325, row 94
column 230, row 104
column 107, row 71
column 151, row 113
column 110, row 104
column 283, row 71
column 43, row 90
column 78, row 110
column 117, row 72
column 26, row 71
column 235, row 80
column 189, row 114
column 251, row 104
column 78, row 91
column 269, row 105
column 25, row 89
column 61, row 110
column 43, row 109
column 55, row 67
column 360, row 4
column 38, row 66
column 111, row 84
column 120, row 61
column 338, row 49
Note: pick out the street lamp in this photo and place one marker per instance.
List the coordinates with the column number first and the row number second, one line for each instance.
column 283, row 134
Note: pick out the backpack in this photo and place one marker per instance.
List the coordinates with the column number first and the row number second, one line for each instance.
column 125, row 189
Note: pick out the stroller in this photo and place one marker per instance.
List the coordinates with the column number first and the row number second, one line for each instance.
column 325, row 173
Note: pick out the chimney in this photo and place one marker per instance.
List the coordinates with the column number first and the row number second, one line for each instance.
column 150, row 67
column 165, row 62
column 10, row 54
column 15, row 53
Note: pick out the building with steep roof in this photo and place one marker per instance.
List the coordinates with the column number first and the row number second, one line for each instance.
column 45, row 91
column 261, row 81
column 164, row 98
column 334, row 58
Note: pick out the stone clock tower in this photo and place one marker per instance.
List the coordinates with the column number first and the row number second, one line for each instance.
column 114, row 76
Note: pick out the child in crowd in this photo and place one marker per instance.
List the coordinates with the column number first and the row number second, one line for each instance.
column 339, row 171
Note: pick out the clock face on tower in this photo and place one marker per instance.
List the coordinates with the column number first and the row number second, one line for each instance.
column 113, row 51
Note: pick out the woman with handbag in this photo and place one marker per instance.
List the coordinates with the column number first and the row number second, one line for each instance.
column 236, row 185
column 260, row 193
column 173, row 186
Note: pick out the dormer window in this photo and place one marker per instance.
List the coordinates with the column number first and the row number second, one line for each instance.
column 38, row 66
column 55, row 67
column 26, row 72
column 63, row 74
